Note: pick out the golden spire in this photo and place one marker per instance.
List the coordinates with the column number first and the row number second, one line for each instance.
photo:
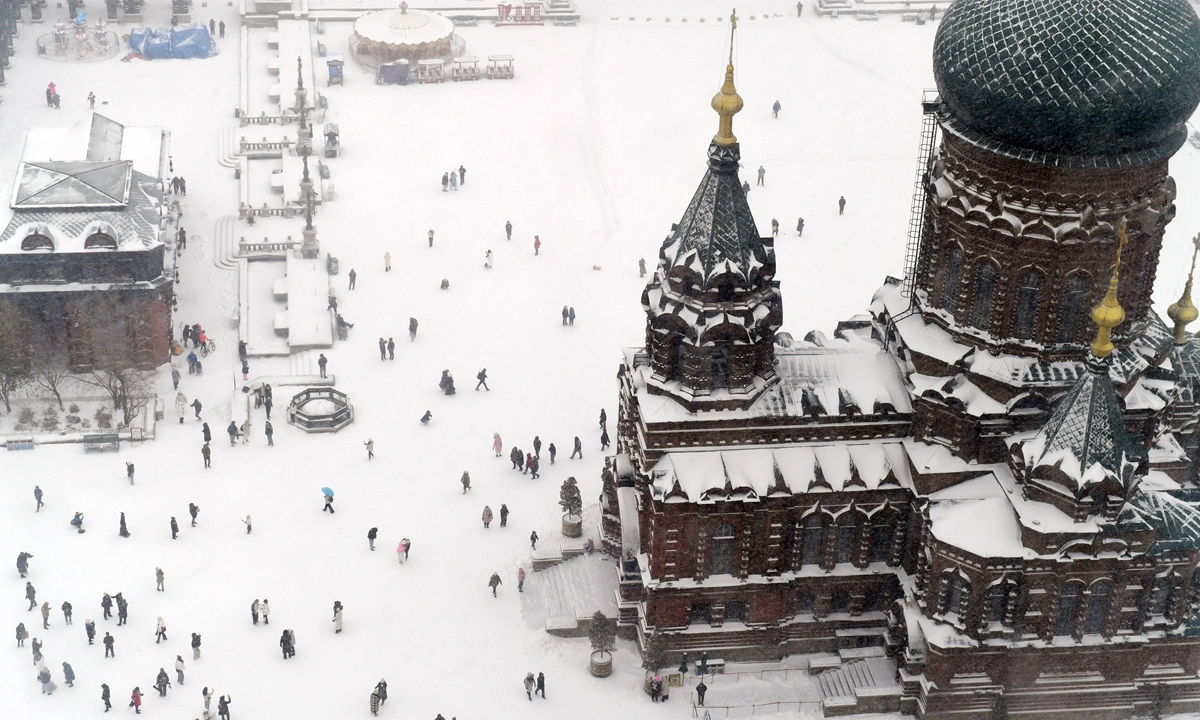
column 1109, row 313
column 1184, row 312
column 727, row 102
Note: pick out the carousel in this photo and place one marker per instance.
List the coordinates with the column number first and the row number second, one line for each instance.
column 404, row 34
column 78, row 41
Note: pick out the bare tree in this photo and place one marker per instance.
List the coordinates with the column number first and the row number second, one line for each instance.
column 129, row 388
column 49, row 369
column 14, row 370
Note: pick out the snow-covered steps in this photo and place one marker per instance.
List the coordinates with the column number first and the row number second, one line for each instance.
column 863, row 685
column 562, row 597
column 224, row 245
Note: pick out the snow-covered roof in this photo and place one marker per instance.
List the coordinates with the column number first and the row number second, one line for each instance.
column 403, row 27
column 74, row 185
column 837, row 373
column 747, row 475
column 976, row 517
column 97, row 138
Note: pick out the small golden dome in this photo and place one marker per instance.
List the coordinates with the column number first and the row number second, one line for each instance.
column 1184, row 311
column 1109, row 313
column 727, row 102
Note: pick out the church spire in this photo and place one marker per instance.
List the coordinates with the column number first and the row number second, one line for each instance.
column 727, row 102
column 1184, row 311
column 1109, row 313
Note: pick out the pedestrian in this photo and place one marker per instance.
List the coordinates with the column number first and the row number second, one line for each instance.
column 774, row 227
column 387, row 261
column 391, row 348
column 528, row 463
column 37, row 495
column 571, row 316
column 487, row 517
column 445, row 182
column 495, row 581
column 701, row 688
column 518, row 458
column 221, row 29
column 353, row 276
column 533, row 538
column 382, row 349
column 269, row 430
column 160, row 631
column 223, row 704
column 537, row 244
column 466, row 481
column 195, row 646
column 503, row 515
column 232, row 430
column 777, row 107
column 249, row 525
column 841, row 205
column 106, row 605
column 488, row 260
column 321, row 363
column 604, row 439
column 89, row 627
column 454, row 181
column 337, row 620
column 193, row 510
column 207, row 695
column 497, row 445
column 578, row 449
column 371, row 535
column 553, row 451
column 541, row 685
column 212, row 27
column 520, row 579
column 183, row 186
column 36, row 646
column 412, row 329
column 762, row 172
column 426, row 417
column 245, row 369
column 46, row 615
column 175, row 377
column 746, row 187
column 603, row 419
column 375, row 703
column 482, row 378
column 22, row 633
column 129, row 471
column 91, row 100
column 370, row 443
column 381, row 691
column 264, row 609
column 402, row 551
column 328, row 504
column 67, row 609
column 123, row 532
column 530, row 684
column 462, row 175
column 192, row 360
column 30, row 594
column 158, row 579
column 44, row 678
column 799, row 7
column 108, row 645
column 642, row 267
column 122, row 610
column 431, row 234
column 206, row 432
column 564, row 315
column 285, row 642
column 267, row 405
column 179, row 669
column 174, row 529
column 508, row 229
column 254, row 612
column 197, row 406
column 23, row 562
column 800, row 227
column 105, row 696
column 181, row 400
column 534, row 465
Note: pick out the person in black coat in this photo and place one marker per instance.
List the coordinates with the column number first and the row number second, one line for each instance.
column 541, row 685
column 30, row 595
column 90, row 628
column 232, row 430
column 371, row 535
column 195, row 646
column 207, row 433
column 105, row 696
column 174, row 529
column 108, row 646
column 106, row 605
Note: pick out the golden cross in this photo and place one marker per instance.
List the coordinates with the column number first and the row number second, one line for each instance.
column 732, row 29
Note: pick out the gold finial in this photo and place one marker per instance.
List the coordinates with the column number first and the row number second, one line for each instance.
column 1109, row 313
column 727, row 102
column 1184, row 312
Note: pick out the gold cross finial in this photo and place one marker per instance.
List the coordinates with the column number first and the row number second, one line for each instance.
column 1109, row 313
column 727, row 102
column 1183, row 311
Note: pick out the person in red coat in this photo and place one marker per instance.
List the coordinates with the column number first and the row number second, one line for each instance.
column 135, row 701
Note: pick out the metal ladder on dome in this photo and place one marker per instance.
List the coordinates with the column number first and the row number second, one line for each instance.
column 930, row 102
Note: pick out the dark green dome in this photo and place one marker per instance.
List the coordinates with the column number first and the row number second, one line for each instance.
column 1082, row 78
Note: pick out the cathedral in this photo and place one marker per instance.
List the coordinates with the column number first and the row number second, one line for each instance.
column 990, row 475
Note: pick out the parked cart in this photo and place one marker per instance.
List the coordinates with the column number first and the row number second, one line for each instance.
column 465, row 68
column 500, row 67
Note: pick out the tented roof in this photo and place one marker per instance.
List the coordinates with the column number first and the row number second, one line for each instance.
column 403, row 27
column 72, row 185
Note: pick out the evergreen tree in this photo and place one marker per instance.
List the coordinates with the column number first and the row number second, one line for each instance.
column 569, row 498
column 603, row 633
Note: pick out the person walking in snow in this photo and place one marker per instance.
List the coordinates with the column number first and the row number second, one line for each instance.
column 122, row 610
column 642, row 267
column 89, row 627
column 207, row 695
column 179, row 669
column 402, row 551
column 22, row 633
column 374, row 703
column 604, row 443
column 553, row 451
column 445, row 182
column 30, row 594
column 352, row 276
column 453, row 181
column 123, row 532
column 158, row 578
column 37, row 495
column 387, row 261
column 430, row 237
column 774, row 227
column 36, row 646
column 207, row 453
column 701, row 688
column 482, row 378
column 285, row 643
column 195, row 646
column 108, row 645
column 578, row 449
column 371, row 535
column 564, row 315
column 269, row 431
column 466, row 481
column 391, row 348
column 264, row 609
column 337, row 620
column 487, row 517
column 841, row 205
column 412, row 329
column 321, row 363
column 220, row 34
column 777, row 107
column 44, row 678
column 800, row 227
column 488, row 260
column 541, row 685
column 530, row 684
column 533, row 464
column 426, row 417
column 232, row 430
column 503, row 515
column 223, row 704
column 181, row 403
column 174, row 529
column 206, row 432
column 571, row 316
column 537, row 245
column 516, row 457
column 46, row 615
column 254, row 612
column 493, row 582
column 162, row 682
column 370, row 445
column 160, row 631
column 528, row 463
column 23, row 557
column 328, row 504
column 106, row 604
column 520, row 579
column 497, row 445
column 508, row 229
column 175, row 378
column 762, row 172
column 106, row 697
column 249, row 526
column 537, row 446
column 533, row 538
column 462, row 175
column 197, row 406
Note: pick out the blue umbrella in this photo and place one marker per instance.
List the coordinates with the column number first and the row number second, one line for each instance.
column 327, row 492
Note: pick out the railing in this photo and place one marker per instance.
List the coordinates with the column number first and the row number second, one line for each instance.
column 266, row 246
column 265, row 146
column 725, row 678
column 265, row 119
column 724, row 711
column 287, row 211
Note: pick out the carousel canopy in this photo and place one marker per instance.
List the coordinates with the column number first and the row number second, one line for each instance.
column 403, row 27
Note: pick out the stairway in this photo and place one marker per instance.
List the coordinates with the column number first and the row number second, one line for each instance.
column 575, row 589
column 842, row 681
column 302, row 363
column 224, row 243
column 227, row 146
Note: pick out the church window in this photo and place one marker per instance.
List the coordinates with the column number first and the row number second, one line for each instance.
column 1068, row 603
column 950, row 277
column 1097, row 610
column 1160, row 596
column 956, row 599
column 100, row 240
column 1071, row 316
column 37, row 241
column 722, row 550
column 847, row 529
column 1029, row 295
column 812, row 540
column 985, row 289
column 720, row 365
column 881, row 538
column 997, row 602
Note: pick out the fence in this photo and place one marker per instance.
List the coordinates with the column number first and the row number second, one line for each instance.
column 287, row 211
column 716, row 712
column 266, row 246
column 725, row 678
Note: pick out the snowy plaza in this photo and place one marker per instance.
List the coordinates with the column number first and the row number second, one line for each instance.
column 594, row 147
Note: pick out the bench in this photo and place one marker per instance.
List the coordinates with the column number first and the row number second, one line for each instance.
column 19, row 444
column 101, row 442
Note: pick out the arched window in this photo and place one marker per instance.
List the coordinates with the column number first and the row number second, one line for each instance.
column 812, row 539
column 1029, row 296
column 997, row 602
column 1160, row 596
column 100, row 240
column 1071, row 315
column 847, row 527
column 881, row 537
column 1097, row 611
column 722, row 550
column 950, row 277
column 1068, row 604
column 735, row 611
column 37, row 241
column 985, row 289
column 956, row 599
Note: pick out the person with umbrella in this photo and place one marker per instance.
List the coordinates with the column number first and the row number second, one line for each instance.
column 328, row 500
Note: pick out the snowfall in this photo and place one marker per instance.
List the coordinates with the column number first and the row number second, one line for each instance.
column 596, row 147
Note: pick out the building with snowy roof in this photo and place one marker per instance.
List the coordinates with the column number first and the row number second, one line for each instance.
column 957, row 478
column 83, row 256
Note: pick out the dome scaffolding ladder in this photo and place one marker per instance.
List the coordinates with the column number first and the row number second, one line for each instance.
column 930, row 104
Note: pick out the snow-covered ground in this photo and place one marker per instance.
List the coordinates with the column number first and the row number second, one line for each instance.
column 596, row 147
